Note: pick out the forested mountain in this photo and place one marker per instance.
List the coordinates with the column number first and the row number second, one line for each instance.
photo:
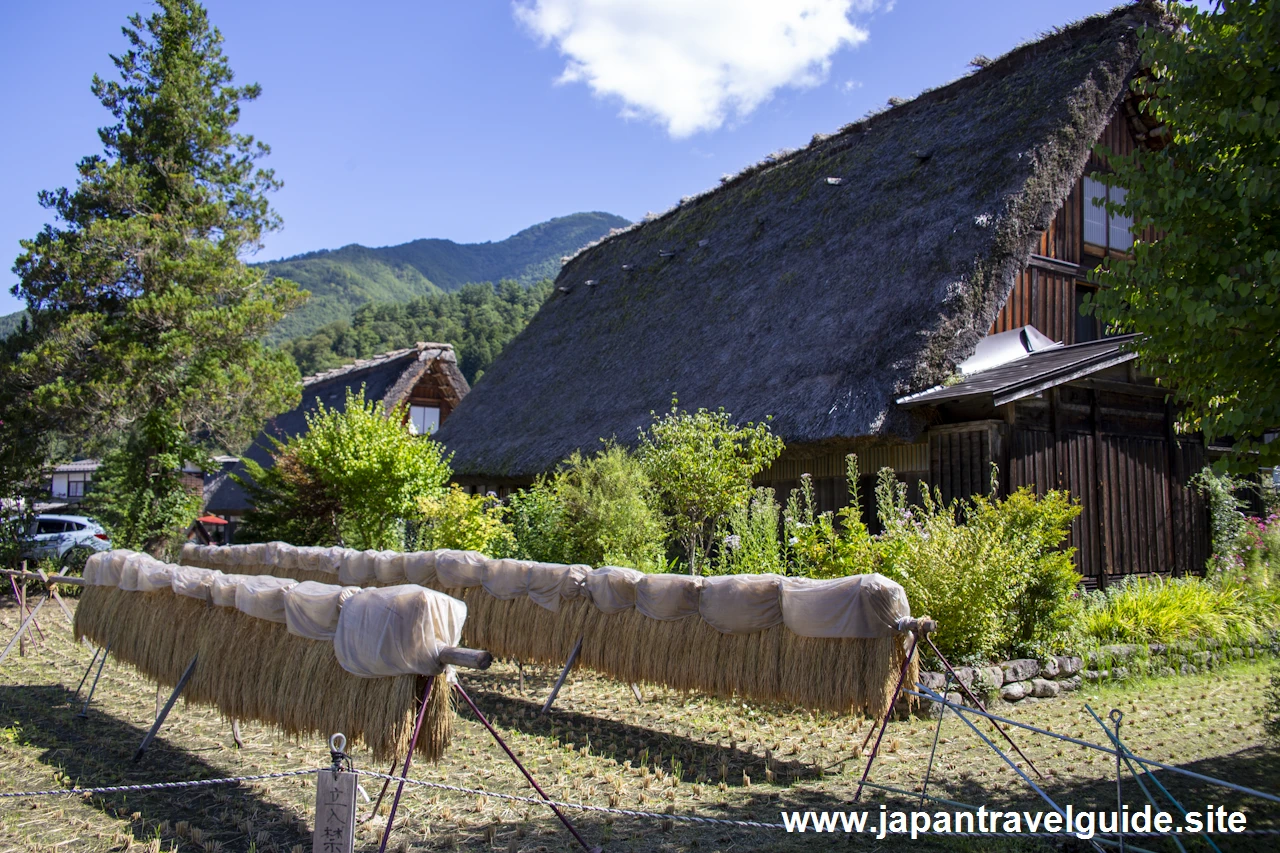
column 9, row 323
column 343, row 279
column 478, row 319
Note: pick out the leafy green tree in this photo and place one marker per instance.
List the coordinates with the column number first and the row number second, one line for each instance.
column 701, row 464
column 1206, row 294
column 139, row 304
column 138, row 490
column 355, row 475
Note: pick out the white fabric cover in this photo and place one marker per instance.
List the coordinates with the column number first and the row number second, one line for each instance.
column 96, row 571
column 356, row 568
column 507, row 579
column 311, row 609
column 193, row 582
column 668, row 597
column 397, row 630
column 222, row 588
column 254, row 555
column 388, row 567
column 549, row 582
column 741, row 604
column 144, row 573
column 461, row 568
column 190, row 554
column 262, row 597
column 420, row 567
column 865, row 606
column 612, row 588
column 286, row 556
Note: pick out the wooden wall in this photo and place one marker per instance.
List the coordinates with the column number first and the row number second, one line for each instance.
column 1044, row 294
column 1116, row 454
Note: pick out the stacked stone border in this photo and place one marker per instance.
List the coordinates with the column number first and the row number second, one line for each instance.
column 1028, row 680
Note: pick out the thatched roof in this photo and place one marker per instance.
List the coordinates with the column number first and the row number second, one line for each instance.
column 817, row 287
column 388, row 378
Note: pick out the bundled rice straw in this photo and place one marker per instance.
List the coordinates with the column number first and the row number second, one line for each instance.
column 254, row 669
column 829, row 646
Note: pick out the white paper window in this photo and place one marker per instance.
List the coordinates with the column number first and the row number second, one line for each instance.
column 1100, row 229
column 1121, row 236
column 424, row 419
column 1095, row 215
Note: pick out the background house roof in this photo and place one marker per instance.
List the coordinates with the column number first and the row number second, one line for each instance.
column 388, row 377
column 818, row 286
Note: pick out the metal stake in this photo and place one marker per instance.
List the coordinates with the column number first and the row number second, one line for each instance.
column 884, row 724
column 408, row 760
column 168, row 706
column 564, row 673
column 942, row 712
column 527, row 775
column 84, row 712
column 1116, row 717
column 97, row 651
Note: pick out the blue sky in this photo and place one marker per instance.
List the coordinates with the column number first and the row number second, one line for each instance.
column 472, row 119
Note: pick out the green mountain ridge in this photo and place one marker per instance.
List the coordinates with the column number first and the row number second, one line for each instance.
column 341, row 280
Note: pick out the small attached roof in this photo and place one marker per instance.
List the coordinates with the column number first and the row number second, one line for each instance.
column 1029, row 374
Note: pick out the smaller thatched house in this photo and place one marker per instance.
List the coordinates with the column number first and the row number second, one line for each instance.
column 425, row 376
column 879, row 292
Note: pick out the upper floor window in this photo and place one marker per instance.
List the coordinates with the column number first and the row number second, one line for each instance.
column 1107, row 231
column 424, row 419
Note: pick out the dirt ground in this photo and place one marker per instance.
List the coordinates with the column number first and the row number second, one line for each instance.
column 681, row 753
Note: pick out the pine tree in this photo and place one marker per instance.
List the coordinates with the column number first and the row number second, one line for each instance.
column 144, row 318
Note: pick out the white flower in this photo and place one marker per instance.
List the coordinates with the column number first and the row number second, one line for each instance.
column 733, row 542
column 794, row 540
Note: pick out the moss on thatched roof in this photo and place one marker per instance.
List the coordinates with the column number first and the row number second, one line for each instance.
column 816, row 287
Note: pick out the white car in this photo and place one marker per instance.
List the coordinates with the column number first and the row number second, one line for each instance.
column 52, row 536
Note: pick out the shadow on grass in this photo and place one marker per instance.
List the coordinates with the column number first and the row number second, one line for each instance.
column 96, row 751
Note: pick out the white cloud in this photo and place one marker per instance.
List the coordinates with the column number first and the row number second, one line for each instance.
column 693, row 64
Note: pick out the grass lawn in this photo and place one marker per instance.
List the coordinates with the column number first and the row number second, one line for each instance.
column 685, row 753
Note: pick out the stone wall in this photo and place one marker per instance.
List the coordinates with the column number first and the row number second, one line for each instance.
column 1028, row 680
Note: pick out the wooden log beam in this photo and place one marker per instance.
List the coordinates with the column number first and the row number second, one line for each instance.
column 48, row 580
column 466, row 658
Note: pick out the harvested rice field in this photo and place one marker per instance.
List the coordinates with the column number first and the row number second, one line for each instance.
column 678, row 753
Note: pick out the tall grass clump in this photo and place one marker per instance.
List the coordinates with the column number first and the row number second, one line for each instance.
column 1170, row 610
column 750, row 542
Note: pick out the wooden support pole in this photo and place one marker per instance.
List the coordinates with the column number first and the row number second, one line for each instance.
column 467, row 658
column 168, row 706
column 43, row 578
column 22, row 629
column 568, row 665
column 53, row 593
column 235, row 734
column 635, row 691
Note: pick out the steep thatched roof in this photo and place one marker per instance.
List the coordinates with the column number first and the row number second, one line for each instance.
column 388, row 377
column 818, row 287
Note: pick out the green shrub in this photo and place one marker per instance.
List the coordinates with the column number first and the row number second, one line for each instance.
column 1160, row 610
column 608, row 517
column 996, row 583
column 537, row 520
column 351, row 479
column 749, row 543
column 454, row 519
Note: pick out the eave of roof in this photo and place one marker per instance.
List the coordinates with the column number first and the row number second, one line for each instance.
column 1028, row 376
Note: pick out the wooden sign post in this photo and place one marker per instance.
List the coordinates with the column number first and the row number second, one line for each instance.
column 335, row 812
